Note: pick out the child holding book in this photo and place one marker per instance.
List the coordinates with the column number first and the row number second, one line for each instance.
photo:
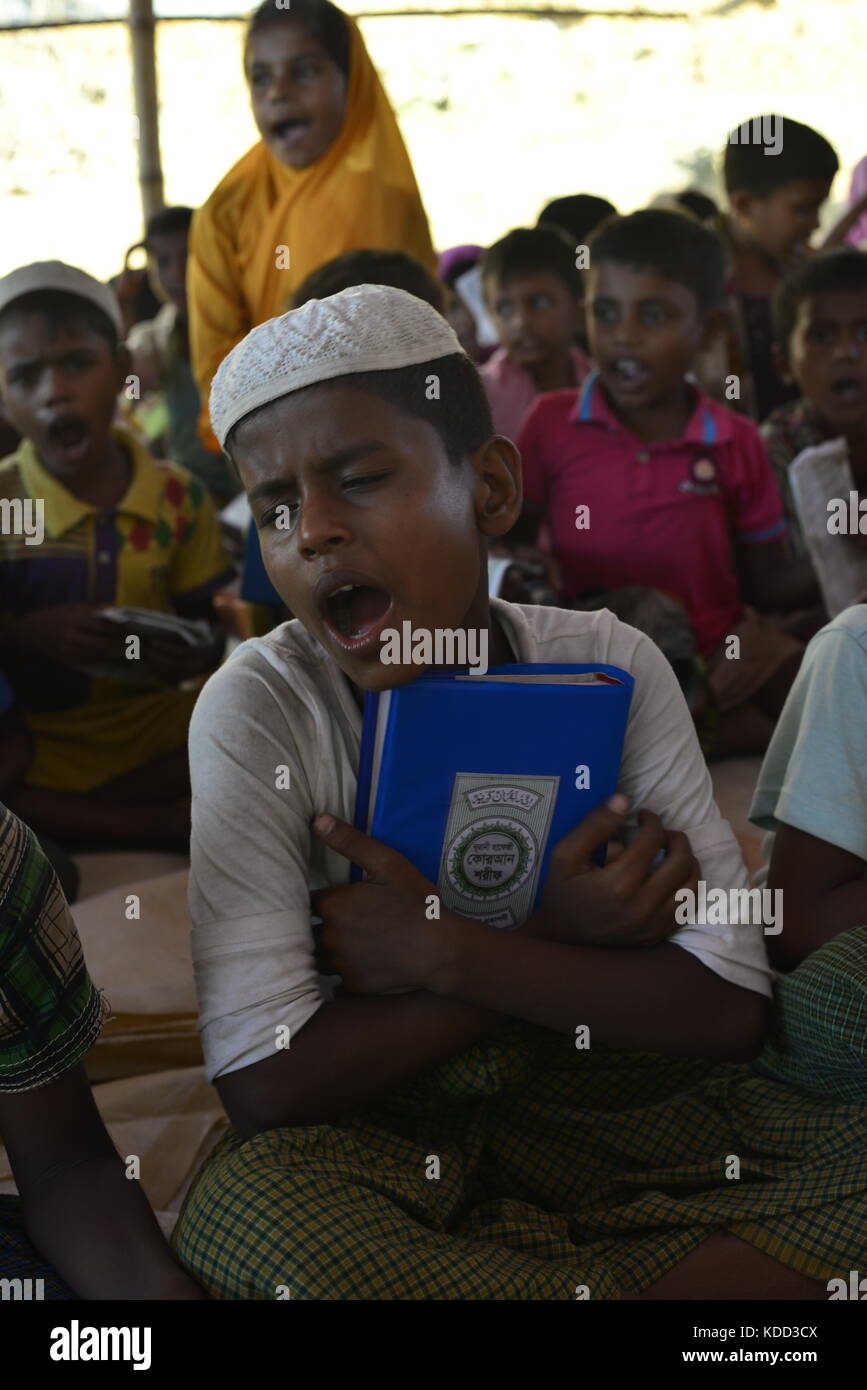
column 642, row 479
column 432, row 1131
column 109, row 719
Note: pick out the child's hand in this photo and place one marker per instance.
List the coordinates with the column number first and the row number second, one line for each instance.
column 71, row 633
column 376, row 933
column 629, row 902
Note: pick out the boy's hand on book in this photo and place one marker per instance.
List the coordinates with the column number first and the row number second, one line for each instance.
column 376, row 933
column 628, row 903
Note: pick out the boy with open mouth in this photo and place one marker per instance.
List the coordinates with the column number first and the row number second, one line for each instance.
column 820, row 320
column 110, row 760
column 676, row 490
column 431, row 1131
column 329, row 174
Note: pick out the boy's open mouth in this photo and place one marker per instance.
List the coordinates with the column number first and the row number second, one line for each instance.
column 628, row 373
column 355, row 613
column 70, row 436
column 847, row 389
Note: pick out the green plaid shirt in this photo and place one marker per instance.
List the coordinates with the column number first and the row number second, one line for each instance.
column 50, row 1011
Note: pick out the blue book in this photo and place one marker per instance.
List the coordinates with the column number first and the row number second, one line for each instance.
column 474, row 778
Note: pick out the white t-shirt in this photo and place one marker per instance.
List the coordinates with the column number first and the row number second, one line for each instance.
column 814, row 776
column 281, row 710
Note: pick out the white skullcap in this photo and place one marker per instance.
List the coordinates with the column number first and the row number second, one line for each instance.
column 366, row 328
column 55, row 275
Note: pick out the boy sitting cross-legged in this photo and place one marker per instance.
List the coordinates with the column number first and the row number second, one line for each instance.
column 448, row 1041
column 643, row 480
column 110, row 762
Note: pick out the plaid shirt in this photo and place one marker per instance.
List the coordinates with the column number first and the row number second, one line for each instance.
column 50, row 1011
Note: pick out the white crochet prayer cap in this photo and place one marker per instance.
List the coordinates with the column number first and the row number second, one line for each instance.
column 366, row 328
column 55, row 275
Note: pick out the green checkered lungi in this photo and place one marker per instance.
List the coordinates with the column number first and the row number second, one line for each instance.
column 525, row 1168
column 50, row 1011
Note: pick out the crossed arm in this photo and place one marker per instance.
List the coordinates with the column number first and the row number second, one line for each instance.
column 419, row 991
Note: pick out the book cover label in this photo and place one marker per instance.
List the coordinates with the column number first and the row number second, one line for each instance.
column 494, row 845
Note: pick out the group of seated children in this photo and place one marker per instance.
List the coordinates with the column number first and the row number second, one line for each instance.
column 630, row 434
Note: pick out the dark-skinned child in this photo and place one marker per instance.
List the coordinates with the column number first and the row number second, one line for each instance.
column 120, row 528
column 430, row 1130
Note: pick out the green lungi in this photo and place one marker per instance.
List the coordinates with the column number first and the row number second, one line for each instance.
column 525, row 1168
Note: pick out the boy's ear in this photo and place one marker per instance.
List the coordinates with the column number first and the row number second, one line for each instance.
column 498, row 492
column 742, row 205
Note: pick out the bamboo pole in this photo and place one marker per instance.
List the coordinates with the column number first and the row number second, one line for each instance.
column 142, row 34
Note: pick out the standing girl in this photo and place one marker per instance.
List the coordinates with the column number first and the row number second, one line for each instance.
column 330, row 174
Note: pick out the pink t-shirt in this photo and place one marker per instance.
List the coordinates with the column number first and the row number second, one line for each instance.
column 511, row 391
column 662, row 514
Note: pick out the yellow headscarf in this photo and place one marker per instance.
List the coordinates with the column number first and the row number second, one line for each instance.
column 361, row 193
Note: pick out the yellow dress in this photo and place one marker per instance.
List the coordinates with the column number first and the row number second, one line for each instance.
column 267, row 226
